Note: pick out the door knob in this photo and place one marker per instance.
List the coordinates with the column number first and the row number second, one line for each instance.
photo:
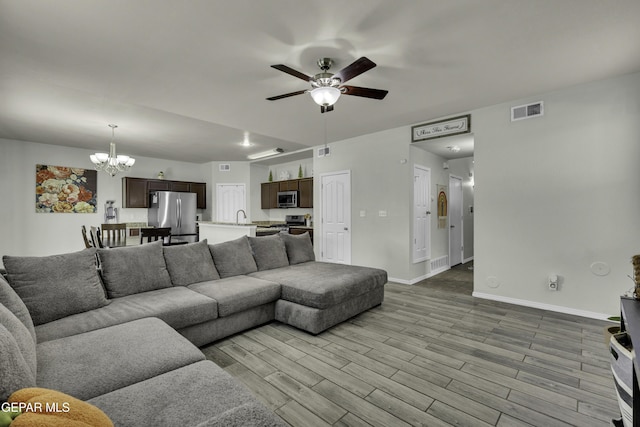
column 428, row 212
column 452, row 226
column 346, row 229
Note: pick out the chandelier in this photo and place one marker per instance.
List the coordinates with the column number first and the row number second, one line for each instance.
column 112, row 163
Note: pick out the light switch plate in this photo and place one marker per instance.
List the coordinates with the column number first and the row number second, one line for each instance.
column 382, row 213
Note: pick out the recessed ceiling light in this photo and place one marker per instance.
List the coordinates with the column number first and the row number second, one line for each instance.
column 245, row 142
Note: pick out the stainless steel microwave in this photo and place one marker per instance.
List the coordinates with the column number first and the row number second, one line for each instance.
column 287, row 199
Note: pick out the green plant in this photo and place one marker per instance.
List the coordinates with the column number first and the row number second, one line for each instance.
column 270, row 176
column 300, row 171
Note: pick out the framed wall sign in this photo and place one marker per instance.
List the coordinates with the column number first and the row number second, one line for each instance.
column 440, row 128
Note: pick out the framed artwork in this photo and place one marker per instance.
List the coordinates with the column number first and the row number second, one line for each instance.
column 63, row 189
column 443, row 206
column 440, row 128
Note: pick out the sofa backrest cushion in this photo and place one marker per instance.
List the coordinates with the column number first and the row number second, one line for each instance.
column 299, row 247
column 56, row 286
column 269, row 252
column 12, row 301
column 17, row 355
column 233, row 258
column 135, row 269
column 190, row 263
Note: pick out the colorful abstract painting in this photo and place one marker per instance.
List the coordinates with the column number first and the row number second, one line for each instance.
column 62, row 189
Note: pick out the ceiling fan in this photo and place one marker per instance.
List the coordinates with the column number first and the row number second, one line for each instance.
column 326, row 87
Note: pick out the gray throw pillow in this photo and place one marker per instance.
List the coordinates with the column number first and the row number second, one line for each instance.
column 190, row 263
column 269, row 252
column 135, row 269
column 299, row 247
column 233, row 258
column 56, row 286
column 12, row 301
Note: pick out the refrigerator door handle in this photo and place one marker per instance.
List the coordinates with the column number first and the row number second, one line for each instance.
column 179, row 202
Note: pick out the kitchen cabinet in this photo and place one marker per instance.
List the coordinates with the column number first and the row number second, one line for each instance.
column 289, row 185
column 305, row 186
column 135, row 191
column 269, row 195
column 269, row 192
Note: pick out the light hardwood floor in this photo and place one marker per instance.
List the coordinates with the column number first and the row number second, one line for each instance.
column 431, row 355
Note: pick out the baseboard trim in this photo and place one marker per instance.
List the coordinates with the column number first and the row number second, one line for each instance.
column 542, row 306
column 417, row 279
column 464, row 261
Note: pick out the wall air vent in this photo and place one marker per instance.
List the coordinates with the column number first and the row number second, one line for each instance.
column 224, row 167
column 324, row 151
column 528, row 111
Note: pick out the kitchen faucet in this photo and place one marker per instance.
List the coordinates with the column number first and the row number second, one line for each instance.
column 243, row 213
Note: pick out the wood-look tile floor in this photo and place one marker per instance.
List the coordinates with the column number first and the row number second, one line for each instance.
column 431, row 355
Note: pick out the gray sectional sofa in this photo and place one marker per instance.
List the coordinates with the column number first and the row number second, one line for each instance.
column 108, row 335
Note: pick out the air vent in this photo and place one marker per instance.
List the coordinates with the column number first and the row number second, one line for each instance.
column 324, row 151
column 224, row 167
column 528, row 111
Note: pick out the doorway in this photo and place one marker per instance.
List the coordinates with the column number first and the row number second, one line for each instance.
column 456, row 229
column 335, row 221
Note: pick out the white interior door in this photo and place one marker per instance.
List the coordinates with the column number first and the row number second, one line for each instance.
column 230, row 198
column 335, row 202
column 421, row 213
column 455, row 220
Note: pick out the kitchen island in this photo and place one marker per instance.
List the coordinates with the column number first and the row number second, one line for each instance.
column 218, row 232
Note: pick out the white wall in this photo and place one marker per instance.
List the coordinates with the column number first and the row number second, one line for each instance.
column 557, row 193
column 25, row 232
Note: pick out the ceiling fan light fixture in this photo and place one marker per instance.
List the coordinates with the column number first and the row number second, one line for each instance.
column 267, row 153
column 325, row 95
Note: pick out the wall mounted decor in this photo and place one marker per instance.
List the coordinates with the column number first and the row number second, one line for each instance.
column 63, row 189
column 440, row 128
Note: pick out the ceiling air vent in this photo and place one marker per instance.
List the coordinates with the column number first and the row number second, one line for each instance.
column 527, row 111
column 224, row 167
column 324, row 151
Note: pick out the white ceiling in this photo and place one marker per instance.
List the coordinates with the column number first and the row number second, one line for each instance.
column 184, row 80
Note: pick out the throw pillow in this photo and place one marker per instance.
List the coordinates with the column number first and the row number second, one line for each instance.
column 56, row 286
column 190, row 263
column 233, row 258
column 12, row 301
column 135, row 269
column 299, row 247
column 269, row 252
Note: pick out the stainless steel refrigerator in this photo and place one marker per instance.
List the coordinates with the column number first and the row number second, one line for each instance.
column 175, row 210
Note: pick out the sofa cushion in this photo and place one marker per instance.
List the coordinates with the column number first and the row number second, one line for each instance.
column 56, row 286
column 130, row 270
column 323, row 285
column 104, row 360
column 15, row 372
column 206, row 391
column 299, row 247
column 268, row 252
column 177, row 306
column 233, row 258
column 12, row 301
column 17, row 354
column 190, row 263
column 238, row 293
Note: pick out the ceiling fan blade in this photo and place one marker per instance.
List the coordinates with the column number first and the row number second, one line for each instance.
column 364, row 92
column 358, row 67
column 292, row 72
column 326, row 109
column 286, row 95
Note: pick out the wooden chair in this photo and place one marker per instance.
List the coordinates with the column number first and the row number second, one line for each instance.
column 95, row 237
column 115, row 233
column 153, row 234
column 87, row 243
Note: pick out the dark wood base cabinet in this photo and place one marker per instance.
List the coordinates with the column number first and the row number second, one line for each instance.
column 135, row 191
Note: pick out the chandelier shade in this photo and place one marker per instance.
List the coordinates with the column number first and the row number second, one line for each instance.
column 325, row 95
column 110, row 162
